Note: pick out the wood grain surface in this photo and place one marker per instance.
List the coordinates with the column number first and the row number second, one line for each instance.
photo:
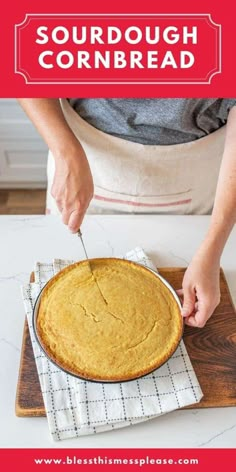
column 212, row 351
column 22, row 202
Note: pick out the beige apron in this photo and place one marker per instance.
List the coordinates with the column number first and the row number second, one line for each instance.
column 135, row 178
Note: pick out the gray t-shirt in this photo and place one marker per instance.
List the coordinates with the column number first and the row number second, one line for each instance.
column 160, row 121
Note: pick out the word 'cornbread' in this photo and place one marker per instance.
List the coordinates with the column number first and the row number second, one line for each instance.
column 122, row 330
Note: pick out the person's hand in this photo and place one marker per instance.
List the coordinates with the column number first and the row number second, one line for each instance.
column 200, row 289
column 72, row 187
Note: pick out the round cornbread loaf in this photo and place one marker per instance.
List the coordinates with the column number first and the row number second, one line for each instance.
column 116, row 323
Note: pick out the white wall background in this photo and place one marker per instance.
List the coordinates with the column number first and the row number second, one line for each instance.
column 23, row 154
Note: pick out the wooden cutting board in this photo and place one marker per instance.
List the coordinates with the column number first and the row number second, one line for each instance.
column 212, row 351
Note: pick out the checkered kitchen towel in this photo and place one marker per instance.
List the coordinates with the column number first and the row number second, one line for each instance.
column 77, row 407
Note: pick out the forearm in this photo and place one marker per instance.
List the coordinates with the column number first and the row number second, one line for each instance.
column 224, row 211
column 47, row 116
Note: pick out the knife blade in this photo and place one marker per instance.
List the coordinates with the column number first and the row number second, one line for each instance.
column 84, row 248
column 88, row 260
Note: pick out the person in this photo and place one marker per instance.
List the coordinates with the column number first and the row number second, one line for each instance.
column 170, row 156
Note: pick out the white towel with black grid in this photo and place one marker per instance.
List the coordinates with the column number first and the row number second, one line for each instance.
column 76, row 407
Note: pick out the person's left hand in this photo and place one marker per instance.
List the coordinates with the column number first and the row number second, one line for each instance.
column 200, row 288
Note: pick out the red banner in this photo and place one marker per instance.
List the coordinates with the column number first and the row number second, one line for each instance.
column 117, row 50
column 203, row 460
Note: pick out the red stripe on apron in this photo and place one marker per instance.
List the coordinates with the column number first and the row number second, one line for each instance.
column 138, row 204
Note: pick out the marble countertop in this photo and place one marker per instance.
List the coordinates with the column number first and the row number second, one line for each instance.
column 170, row 241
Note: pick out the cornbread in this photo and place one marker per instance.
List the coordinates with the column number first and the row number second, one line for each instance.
column 124, row 330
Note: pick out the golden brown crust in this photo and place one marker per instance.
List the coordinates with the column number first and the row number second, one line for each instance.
column 127, row 332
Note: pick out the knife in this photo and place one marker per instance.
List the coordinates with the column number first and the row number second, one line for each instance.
column 86, row 255
column 84, row 248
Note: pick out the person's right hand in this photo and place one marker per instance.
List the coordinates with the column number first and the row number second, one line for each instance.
column 72, row 187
